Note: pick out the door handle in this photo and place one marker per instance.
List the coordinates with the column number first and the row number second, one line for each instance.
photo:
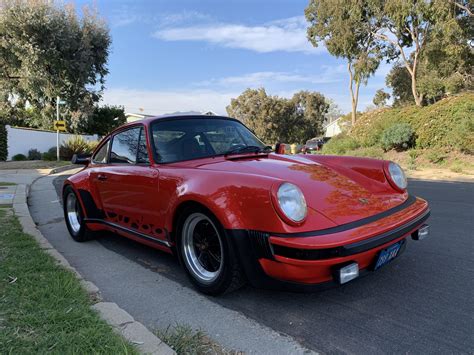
column 102, row 177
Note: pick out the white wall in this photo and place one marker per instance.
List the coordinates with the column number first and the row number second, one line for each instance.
column 332, row 129
column 21, row 140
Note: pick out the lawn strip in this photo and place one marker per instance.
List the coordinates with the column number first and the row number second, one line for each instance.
column 43, row 308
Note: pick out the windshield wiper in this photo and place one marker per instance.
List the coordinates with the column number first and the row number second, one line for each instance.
column 249, row 149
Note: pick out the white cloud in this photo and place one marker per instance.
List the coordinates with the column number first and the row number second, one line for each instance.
column 158, row 102
column 126, row 15
column 288, row 35
column 328, row 74
column 181, row 17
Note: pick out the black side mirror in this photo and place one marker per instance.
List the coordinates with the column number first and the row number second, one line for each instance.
column 81, row 159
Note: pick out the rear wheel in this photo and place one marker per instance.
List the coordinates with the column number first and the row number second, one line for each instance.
column 207, row 256
column 74, row 216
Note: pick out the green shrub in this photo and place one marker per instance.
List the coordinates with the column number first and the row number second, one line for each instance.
column 412, row 155
column 461, row 136
column 400, row 137
column 34, row 154
column 93, row 145
column 76, row 145
column 340, row 144
column 447, row 124
column 50, row 155
column 19, row 157
column 3, row 143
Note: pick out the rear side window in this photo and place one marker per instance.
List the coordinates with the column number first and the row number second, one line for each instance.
column 125, row 147
column 101, row 156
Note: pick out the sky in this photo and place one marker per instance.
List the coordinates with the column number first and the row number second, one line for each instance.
column 195, row 55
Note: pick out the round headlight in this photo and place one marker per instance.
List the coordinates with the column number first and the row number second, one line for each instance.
column 397, row 175
column 292, row 202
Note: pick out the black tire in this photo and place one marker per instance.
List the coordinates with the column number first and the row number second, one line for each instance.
column 78, row 232
column 230, row 277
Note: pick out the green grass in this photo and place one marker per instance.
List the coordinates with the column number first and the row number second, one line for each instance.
column 32, row 164
column 184, row 340
column 7, row 184
column 43, row 308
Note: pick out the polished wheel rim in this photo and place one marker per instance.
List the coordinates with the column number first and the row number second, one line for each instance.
column 73, row 212
column 203, row 252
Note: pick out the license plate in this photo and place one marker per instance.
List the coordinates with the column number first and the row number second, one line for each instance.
column 388, row 254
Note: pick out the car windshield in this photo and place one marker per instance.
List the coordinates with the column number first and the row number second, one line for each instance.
column 192, row 138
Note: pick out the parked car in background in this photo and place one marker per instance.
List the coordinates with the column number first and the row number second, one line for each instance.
column 207, row 190
column 315, row 144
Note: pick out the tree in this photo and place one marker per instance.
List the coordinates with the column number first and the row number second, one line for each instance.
column 399, row 80
column 410, row 26
column 445, row 66
column 380, row 98
column 104, row 120
column 275, row 119
column 334, row 112
column 309, row 111
column 263, row 114
column 48, row 51
column 343, row 28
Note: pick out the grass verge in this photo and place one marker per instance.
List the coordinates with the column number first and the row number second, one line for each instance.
column 43, row 308
column 7, row 183
column 185, row 340
column 32, row 164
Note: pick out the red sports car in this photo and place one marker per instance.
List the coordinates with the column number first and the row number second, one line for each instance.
column 208, row 190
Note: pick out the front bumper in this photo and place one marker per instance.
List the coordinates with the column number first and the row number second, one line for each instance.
column 307, row 261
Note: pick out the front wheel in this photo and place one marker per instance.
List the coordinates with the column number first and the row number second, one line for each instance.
column 74, row 216
column 206, row 254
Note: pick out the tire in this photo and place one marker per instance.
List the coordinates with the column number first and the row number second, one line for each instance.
column 206, row 254
column 74, row 216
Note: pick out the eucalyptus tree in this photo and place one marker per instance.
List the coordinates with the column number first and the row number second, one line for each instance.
column 408, row 28
column 343, row 27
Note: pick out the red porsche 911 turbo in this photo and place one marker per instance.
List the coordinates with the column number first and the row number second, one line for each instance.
column 233, row 211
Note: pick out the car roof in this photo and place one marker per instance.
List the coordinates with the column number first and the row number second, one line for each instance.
column 149, row 120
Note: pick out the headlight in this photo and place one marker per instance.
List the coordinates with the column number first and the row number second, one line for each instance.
column 397, row 175
column 292, row 202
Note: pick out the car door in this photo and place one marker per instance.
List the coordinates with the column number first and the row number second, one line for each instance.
column 128, row 184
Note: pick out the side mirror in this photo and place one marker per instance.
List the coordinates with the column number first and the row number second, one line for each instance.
column 280, row 148
column 81, row 159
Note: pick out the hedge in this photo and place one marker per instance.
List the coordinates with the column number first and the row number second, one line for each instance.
column 448, row 123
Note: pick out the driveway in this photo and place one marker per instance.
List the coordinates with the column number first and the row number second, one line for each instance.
column 420, row 303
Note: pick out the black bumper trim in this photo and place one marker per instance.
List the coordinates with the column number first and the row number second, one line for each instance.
column 249, row 260
column 353, row 248
column 351, row 225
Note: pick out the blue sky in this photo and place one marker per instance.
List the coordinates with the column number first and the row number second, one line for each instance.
column 185, row 55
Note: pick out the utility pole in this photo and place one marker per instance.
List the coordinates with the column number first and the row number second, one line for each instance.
column 57, row 130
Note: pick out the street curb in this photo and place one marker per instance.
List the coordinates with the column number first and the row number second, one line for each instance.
column 121, row 321
column 64, row 168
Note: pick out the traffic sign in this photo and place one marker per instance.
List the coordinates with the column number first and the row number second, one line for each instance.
column 60, row 126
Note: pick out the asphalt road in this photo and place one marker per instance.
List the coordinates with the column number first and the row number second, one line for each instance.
column 420, row 303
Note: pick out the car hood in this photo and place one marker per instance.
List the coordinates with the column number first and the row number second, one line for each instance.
column 334, row 194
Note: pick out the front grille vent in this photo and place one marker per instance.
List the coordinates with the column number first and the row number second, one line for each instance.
column 261, row 244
